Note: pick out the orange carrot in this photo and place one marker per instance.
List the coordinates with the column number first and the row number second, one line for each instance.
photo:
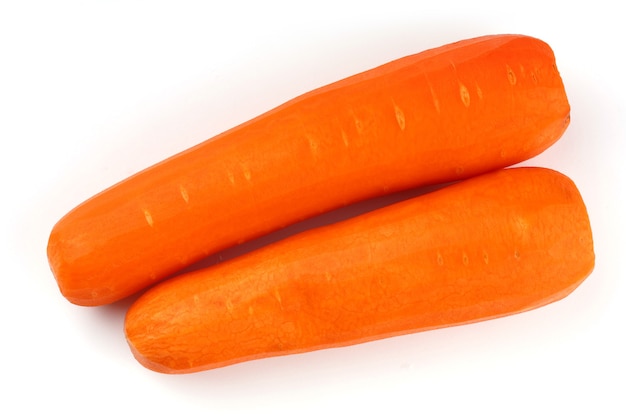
column 441, row 115
column 486, row 247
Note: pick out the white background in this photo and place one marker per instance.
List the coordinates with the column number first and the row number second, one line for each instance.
column 91, row 92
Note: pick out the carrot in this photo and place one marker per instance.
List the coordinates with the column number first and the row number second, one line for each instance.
column 438, row 116
column 486, row 247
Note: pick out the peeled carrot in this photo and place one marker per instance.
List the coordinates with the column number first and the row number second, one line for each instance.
column 486, row 247
column 438, row 116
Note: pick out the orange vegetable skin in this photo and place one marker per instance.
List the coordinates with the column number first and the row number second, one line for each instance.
column 489, row 246
column 442, row 115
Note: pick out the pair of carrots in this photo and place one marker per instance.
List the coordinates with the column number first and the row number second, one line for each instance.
column 498, row 242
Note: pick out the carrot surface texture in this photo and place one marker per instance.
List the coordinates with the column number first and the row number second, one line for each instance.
column 486, row 247
column 442, row 115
